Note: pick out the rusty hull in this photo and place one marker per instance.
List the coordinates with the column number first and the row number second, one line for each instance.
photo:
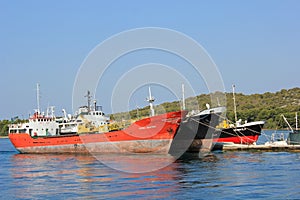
column 134, row 146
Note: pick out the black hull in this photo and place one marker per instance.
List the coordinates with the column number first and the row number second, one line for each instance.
column 243, row 131
column 199, row 126
column 244, row 134
column 192, row 132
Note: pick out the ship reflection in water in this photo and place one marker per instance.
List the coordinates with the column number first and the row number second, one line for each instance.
column 66, row 175
column 221, row 175
column 214, row 176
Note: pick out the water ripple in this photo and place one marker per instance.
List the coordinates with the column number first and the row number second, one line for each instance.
column 229, row 175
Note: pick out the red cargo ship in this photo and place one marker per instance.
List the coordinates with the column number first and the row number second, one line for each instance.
column 149, row 135
column 89, row 132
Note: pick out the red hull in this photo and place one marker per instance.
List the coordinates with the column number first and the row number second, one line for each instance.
column 239, row 139
column 247, row 133
column 153, row 134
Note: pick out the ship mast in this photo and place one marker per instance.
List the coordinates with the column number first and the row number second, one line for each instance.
column 38, row 97
column 88, row 96
column 151, row 99
column 52, row 111
column 183, row 97
column 234, row 104
column 95, row 105
column 296, row 121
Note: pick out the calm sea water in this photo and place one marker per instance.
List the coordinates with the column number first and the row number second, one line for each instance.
column 221, row 175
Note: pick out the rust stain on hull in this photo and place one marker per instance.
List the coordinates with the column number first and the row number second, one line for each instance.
column 139, row 146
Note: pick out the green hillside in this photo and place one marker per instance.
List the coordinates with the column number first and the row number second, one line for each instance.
column 255, row 107
column 267, row 107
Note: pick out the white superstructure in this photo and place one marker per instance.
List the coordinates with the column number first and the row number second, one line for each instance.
column 87, row 119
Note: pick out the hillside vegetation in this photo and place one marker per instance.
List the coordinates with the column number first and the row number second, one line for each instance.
column 267, row 107
column 255, row 107
column 4, row 125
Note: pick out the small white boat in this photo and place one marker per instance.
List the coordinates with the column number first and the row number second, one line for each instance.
column 277, row 139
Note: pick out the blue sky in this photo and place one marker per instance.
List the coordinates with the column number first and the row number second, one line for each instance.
column 255, row 44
